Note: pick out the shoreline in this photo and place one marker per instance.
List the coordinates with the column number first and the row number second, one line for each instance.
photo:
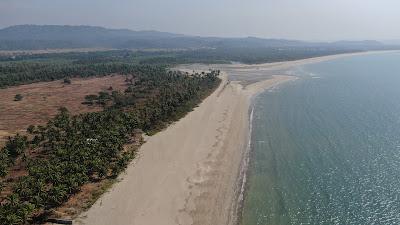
column 243, row 176
column 254, row 90
column 194, row 172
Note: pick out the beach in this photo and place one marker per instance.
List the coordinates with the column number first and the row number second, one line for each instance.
column 191, row 173
column 183, row 171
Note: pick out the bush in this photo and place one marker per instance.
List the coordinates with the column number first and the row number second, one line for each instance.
column 16, row 145
column 67, row 81
column 18, row 97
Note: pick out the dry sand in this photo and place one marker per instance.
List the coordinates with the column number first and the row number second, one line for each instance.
column 188, row 174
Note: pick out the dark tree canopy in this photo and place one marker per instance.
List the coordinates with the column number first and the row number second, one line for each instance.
column 18, row 97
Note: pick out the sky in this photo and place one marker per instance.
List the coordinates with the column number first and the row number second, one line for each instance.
column 316, row 20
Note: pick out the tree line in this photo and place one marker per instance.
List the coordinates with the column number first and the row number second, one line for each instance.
column 250, row 55
column 12, row 74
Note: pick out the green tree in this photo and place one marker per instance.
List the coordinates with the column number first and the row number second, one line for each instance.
column 18, row 97
column 67, row 81
column 16, row 145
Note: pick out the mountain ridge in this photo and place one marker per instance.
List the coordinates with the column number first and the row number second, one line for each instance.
column 69, row 36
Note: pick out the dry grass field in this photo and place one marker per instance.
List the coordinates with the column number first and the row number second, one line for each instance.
column 41, row 101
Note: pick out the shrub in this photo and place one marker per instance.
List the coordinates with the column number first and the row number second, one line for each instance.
column 18, row 97
column 67, row 81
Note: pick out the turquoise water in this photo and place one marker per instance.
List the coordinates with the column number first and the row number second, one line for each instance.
column 326, row 148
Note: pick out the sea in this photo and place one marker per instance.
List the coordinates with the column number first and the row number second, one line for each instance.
column 325, row 149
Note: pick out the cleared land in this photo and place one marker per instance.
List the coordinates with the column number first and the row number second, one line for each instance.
column 41, row 101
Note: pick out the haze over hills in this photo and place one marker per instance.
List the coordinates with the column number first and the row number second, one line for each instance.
column 30, row 37
column 392, row 42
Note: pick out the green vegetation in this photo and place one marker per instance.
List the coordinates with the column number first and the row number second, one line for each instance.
column 71, row 151
column 208, row 55
column 67, row 81
column 48, row 67
column 15, row 146
column 241, row 54
column 18, row 97
column 29, row 72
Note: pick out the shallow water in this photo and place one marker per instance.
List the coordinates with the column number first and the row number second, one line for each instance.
column 326, row 148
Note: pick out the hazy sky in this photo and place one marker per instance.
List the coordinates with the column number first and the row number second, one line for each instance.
column 295, row 19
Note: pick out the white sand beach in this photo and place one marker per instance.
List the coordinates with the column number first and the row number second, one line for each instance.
column 188, row 173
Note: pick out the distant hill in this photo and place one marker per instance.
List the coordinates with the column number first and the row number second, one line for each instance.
column 366, row 43
column 30, row 37
column 54, row 36
column 392, row 42
column 55, row 32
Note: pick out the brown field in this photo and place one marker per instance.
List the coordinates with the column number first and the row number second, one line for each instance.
column 41, row 101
